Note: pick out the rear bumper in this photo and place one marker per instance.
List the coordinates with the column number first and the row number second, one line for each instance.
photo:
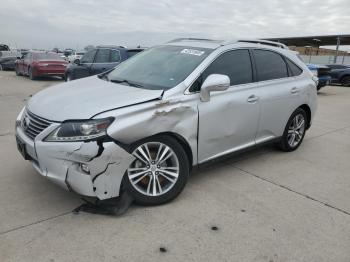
column 43, row 71
column 61, row 162
column 323, row 81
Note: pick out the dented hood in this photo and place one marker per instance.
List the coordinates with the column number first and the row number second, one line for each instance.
column 84, row 98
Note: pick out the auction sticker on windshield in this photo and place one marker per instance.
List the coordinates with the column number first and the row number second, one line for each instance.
column 192, row 52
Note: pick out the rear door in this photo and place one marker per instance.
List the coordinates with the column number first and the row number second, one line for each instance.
column 278, row 91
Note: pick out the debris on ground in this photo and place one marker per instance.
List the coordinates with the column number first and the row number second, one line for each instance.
column 114, row 206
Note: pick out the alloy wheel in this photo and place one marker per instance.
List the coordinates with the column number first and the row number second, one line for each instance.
column 296, row 130
column 155, row 170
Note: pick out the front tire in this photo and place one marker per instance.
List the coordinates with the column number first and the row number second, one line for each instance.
column 68, row 77
column 159, row 172
column 294, row 131
column 30, row 74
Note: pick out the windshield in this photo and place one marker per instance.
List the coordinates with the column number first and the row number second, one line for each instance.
column 47, row 56
column 159, row 68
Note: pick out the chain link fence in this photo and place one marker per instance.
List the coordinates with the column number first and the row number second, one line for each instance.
column 325, row 59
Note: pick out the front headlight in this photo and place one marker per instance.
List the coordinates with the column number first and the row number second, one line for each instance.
column 80, row 130
column 314, row 72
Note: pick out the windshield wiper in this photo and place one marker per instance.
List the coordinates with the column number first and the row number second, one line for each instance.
column 127, row 82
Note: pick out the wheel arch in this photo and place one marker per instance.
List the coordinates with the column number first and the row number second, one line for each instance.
column 185, row 145
column 180, row 139
column 343, row 76
column 307, row 110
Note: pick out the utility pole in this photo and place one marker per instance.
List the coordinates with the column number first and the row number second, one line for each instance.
column 336, row 50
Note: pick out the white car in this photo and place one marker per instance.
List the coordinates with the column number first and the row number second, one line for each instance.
column 142, row 126
column 73, row 58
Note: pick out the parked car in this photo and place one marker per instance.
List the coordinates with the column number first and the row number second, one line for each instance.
column 7, row 63
column 143, row 125
column 37, row 64
column 98, row 60
column 323, row 73
column 340, row 74
column 4, row 47
column 75, row 57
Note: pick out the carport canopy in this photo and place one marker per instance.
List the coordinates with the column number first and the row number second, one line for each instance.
column 318, row 40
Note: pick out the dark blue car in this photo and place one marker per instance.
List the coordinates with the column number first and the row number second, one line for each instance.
column 323, row 73
column 99, row 60
column 340, row 74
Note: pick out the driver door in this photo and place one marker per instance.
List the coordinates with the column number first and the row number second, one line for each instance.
column 101, row 62
column 229, row 120
column 83, row 69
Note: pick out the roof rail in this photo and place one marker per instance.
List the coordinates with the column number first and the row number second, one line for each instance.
column 264, row 42
column 192, row 39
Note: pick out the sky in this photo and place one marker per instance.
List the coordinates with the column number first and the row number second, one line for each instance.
column 76, row 23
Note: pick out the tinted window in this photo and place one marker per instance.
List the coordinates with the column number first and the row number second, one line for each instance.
column 115, row 56
column 235, row 64
column 270, row 65
column 102, row 56
column 293, row 68
column 88, row 57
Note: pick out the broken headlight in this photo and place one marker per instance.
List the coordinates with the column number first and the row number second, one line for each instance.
column 80, row 130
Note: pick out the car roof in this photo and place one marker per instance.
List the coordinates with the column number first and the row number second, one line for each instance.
column 110, row 46
column 214, row 44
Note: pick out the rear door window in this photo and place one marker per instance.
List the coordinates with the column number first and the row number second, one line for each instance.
column 102, row 56
column 269, row 65
column 294, row 70
column 115, row 56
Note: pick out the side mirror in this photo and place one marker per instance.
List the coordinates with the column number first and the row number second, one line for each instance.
column 77, row 61
column 18, row 57
column 214, row 82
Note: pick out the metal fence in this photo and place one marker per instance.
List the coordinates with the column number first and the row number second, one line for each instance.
column 325, row 59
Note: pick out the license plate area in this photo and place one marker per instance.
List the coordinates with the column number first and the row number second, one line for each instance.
column 21, row 146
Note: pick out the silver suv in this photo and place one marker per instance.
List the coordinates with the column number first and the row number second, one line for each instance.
column 142, row 126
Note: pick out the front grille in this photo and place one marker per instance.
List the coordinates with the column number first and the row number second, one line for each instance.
column 33, row 125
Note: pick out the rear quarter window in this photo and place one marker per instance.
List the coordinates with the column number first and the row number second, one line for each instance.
column 269, row 65
column 294, row 70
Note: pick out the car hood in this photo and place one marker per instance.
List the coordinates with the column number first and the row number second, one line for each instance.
column 84, row 98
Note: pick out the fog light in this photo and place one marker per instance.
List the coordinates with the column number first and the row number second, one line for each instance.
column 85, row 168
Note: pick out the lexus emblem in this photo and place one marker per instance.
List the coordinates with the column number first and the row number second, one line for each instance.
column 25, row 122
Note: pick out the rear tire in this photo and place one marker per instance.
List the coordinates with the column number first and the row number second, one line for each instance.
column 345, row 81
column 294, row 131
column 162, row 177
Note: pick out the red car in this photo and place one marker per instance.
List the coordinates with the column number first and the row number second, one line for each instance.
column 36, row 64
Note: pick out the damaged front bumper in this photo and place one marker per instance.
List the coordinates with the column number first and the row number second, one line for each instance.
column 93, row 168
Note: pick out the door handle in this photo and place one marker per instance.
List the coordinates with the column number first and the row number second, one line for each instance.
column 294, row 90
column 252, row 99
